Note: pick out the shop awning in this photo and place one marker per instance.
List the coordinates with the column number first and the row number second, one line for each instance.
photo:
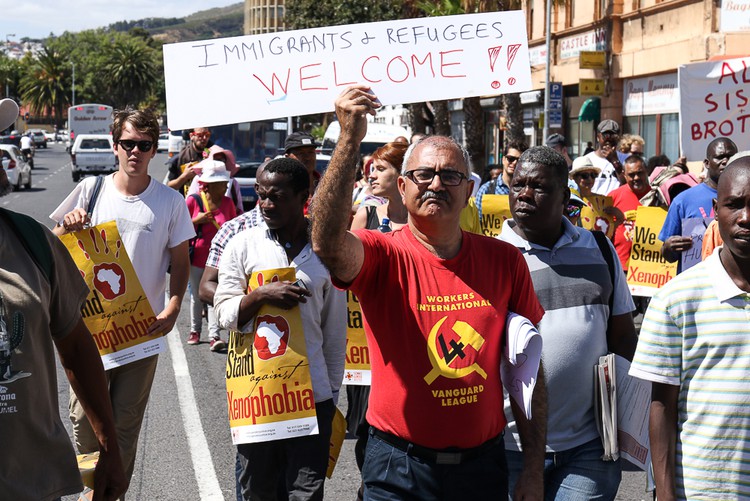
column 589, row 110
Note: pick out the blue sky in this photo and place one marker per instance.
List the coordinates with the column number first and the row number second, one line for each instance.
column 37, row 18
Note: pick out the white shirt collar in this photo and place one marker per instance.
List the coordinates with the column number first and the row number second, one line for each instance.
column 724, row 286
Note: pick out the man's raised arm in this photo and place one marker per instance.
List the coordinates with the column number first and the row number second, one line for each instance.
column 341, row 251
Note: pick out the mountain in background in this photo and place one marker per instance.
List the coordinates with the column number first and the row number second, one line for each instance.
column 212, row 23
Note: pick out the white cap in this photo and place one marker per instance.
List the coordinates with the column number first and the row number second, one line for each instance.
column 8, row 113
column 213, row 171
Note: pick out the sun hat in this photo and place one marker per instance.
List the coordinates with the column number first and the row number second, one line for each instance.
column 213, row 171
column 583, row 164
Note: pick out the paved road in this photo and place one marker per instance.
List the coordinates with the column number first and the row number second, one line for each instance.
column 185, row 450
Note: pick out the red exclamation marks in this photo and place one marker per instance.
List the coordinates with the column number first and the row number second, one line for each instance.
column 494, row 52
column 512, row 51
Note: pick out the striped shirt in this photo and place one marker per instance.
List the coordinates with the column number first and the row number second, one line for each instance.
column 695, row 336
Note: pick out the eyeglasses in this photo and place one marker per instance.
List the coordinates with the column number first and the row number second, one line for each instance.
column 201, row 134
column 129, row 144
column 511, row 158
column 587, row 175
column 425, row 176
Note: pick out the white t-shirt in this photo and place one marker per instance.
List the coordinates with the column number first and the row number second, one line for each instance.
column 607, row 179
column 149, row 224
column 25, row 143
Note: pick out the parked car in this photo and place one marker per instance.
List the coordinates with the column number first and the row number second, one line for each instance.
column 50, row 136
column 245, row 176
column 12, row 137
column 17, row 169
column 92, row 154
column 163, row 142
column 40, row 140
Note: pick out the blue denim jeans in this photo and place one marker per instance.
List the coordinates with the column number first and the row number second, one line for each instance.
column 577, row 474
column 390, row 474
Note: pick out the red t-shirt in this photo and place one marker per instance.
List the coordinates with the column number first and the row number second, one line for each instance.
column 624, row 199
column 225, row 212
column 435, row 330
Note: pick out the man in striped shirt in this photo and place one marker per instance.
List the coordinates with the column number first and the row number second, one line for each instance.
column 694, row 349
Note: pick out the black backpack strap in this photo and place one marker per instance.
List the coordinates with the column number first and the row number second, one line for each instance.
column 32, row 237
column 199, row 201
column 372, row 217
column 603, row 242
column 94, row 195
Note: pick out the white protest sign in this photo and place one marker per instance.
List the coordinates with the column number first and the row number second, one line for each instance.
column 242, row 79
column 714, row 102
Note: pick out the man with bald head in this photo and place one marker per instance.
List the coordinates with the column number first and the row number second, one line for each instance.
column 695, row 202
column 435, row 300
column 694, row 349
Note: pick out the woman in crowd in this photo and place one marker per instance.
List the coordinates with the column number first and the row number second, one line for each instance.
column 209, row 208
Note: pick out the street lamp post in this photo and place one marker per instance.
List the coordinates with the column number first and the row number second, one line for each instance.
column 74, row 83
column 7, row 78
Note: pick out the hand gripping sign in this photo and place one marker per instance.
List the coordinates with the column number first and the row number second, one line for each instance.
column 269, row 390
column 116, row 311
column 258, row 77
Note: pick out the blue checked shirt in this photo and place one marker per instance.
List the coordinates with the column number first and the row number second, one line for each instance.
column 500, row 189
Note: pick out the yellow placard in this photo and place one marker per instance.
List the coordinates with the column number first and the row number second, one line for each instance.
column 495, row 210
column 357, row 367
column 647, row 269
column 592, row 60
column 338, row 433
column 593, row 216
column 269, row 390
column 591, row 86
column 117, row 311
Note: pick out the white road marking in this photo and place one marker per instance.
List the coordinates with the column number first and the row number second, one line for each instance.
column 205, row 475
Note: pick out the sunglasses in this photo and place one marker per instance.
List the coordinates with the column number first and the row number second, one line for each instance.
column 511, row 158
column 201, row 134
column 587, row 175
column 129, row 145
column 425, row 176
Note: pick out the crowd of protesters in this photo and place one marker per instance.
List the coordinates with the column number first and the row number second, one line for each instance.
column 392, row 228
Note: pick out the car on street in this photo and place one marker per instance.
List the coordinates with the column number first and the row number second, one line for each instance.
column 12, row 137
column 92, row 154
column 38, row 137
column 163, row 142
column 50, row 136
column 17, row 169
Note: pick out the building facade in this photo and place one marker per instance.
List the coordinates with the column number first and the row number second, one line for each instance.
column 264, row 16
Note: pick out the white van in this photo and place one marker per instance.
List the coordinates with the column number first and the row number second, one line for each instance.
column 176, row 143
column 377, row 135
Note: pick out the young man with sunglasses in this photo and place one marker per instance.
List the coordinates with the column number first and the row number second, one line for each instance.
column 435, row 300
column 155, row 227
column 500, row 185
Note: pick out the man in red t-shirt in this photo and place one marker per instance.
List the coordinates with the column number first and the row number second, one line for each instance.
column 627, row 198
column 435, row 300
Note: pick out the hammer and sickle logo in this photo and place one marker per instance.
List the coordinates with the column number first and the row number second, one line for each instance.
column 443, row 364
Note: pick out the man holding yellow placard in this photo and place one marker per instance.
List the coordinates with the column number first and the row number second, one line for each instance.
column 286, row 364
column 155, row 227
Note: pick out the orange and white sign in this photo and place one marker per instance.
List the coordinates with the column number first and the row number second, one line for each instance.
column 647, row 268
column 116, row 311
column 269, row 389
column 357, row 366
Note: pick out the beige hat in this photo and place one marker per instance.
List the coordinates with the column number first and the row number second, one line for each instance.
column 213, row 171
column 583, row 164
column 8, row 113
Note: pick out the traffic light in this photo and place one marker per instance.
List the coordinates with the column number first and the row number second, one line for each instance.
column 26, row 116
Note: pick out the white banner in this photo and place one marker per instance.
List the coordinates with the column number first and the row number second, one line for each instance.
column 735, row 15
column 241, row 79
column 651, row 95
column 714, row 102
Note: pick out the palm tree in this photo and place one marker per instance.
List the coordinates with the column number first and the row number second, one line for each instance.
column 130, row 71
column 43, row 86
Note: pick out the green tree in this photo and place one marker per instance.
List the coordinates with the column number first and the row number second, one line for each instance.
column 43, row 86
column 10, row 76
column 300, row 14
column 129, row 71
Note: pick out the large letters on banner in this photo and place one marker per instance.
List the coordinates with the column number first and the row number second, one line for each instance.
column 714, row 102
column 357, row 367
column 269, row 390
column 647, row 269
column 495, row 210
column 249, row 78
column 116, row 311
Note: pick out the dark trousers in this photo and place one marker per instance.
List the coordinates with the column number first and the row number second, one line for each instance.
column 390, row 474
column 297, row 464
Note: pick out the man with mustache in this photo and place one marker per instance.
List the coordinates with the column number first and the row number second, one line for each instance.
column 435, row 300
column 41, row 293
column 587, row 314
column 695, row 202
column 605, row 157
column 693, row 348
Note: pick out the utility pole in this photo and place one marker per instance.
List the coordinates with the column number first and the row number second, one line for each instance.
column 548, row 38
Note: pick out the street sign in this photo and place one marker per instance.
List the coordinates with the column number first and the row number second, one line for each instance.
column 555, row 105
column 591, row 86
column 592, row 60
